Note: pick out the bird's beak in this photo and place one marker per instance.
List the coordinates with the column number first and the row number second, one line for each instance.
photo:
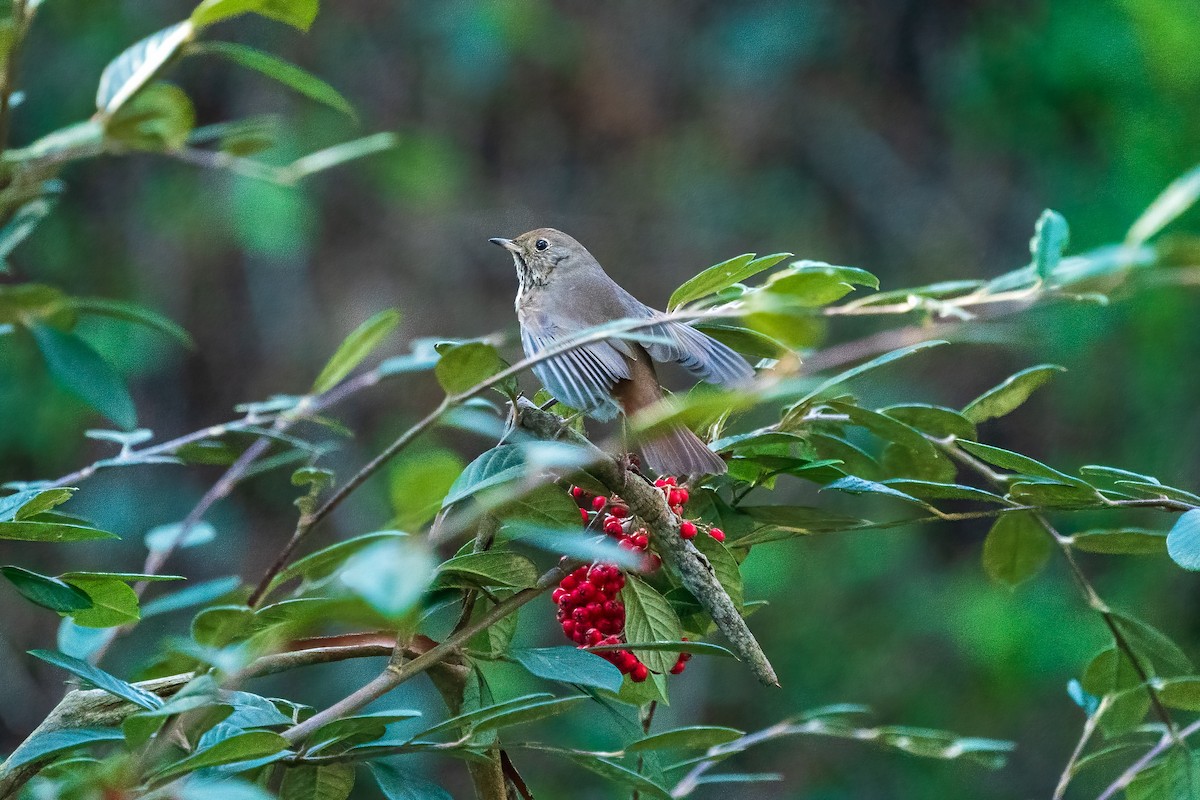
column 507, row 244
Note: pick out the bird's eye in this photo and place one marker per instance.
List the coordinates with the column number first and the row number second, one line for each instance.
column 541, row 244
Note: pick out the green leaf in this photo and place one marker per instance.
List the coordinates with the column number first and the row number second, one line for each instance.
column 167, row 537
column 571, row 541
column 248, row 746
column 934, row 420
column 695, row 737
column 547, row 506
column 1177, row 198
column 361, row 730
column 356, row 347
column 815, row 283
column 130, row 312
column 854, row 372
column 159, row 119
column 42, row 500
column 1052, row 495
column 467, row 719
column 1124, row 541
column 199, row 594
column 1148, row 641
column 400, row 784
column 618, row 773
column 297, row 13
column 1022, row 465
column 1050, row 237
column 722, row 276
column 286, row 73
column 100, row 679
column 419, row 482
column 51, row 743
column 649, row 618
column 1176, row 776
column 1017, row 548
column 1180, row 693
column 569, row 665
column 530, row 712
column 489, row 568
column 113, row 601
column 1183, row 541
column 22, row 224
column 1005, row 398
column 326, row 782
column 318, row 566
column 80, row 370
column 137, row 66
column 932, row 490
column 391, row 576
column 853, row 485
column 464, row 366
column 45, row 591
column 51, row 532
column 491, row 468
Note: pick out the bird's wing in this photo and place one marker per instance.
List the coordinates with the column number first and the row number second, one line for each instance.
column 698, row 353
column 582, row 378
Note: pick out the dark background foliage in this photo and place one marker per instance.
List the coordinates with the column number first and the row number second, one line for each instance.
column 919, row 140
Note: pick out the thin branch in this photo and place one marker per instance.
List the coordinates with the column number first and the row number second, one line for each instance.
column 1126, row 777
column 397, row 673
column 1090, row 595
column 1089, row 728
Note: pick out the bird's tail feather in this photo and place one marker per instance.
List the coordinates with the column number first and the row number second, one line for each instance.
column 681, row 452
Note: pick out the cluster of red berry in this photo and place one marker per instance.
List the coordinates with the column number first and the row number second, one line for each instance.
column 591, row 615
column 589, row 608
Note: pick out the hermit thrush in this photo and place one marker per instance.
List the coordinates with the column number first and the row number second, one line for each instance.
column 562, row 291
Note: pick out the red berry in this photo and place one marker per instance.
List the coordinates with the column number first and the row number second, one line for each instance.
column 612, row 527
column 557, row 595
column 655, row 561
column 568, row 583
column 620, row 512
column 594, row 636
column 580, row 573
column 626, row 544
column 660, row 482
column 640, row 673
column 679, row 667
column 577, row 492
column 641, row 541
column 599, row 502
column 683, row 497
column 687, row 529
column 670, row 479
column 583, row 515
column 717, row 534
column 568, row 626
column 673, row 497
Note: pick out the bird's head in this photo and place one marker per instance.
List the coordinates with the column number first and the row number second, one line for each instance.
column 539, row 252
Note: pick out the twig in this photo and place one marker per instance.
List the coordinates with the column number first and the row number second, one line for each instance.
column 84, row 708
column 688, row 783
column 1089, row 728
column 1090, row 595
column 397, row 673
column 1126, row 777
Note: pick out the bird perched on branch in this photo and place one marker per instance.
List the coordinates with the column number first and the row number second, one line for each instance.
column 563, row 291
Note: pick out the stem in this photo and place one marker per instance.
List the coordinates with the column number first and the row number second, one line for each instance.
column 397, row 673
column 1089, row 728
column 1128, row 775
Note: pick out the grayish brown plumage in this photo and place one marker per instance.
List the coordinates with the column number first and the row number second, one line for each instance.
column 562, row 291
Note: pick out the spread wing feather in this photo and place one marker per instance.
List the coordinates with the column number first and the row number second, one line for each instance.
column 699, row 354
column 582, row 378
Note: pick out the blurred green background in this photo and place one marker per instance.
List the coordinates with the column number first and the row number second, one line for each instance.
column 919, row 140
